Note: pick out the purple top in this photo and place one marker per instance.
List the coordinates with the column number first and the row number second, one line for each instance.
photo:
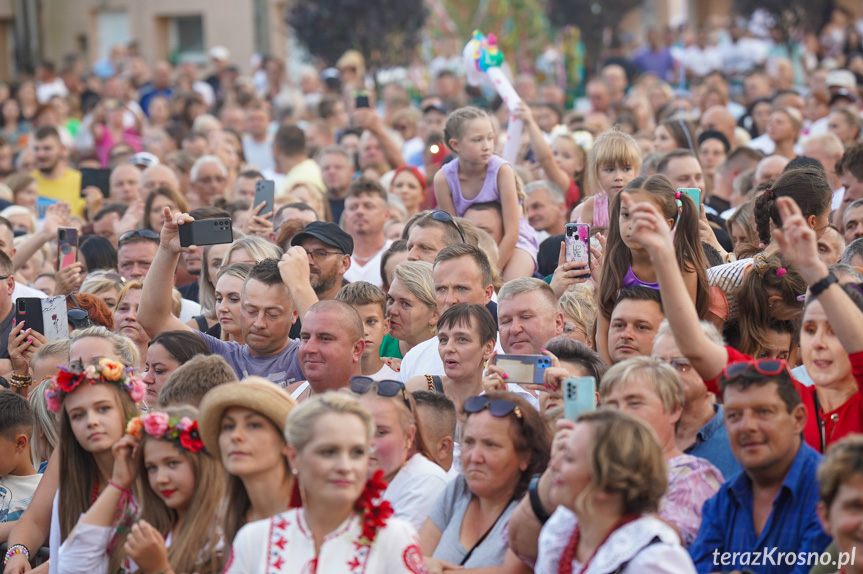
column 632, row 281
column 488, row 192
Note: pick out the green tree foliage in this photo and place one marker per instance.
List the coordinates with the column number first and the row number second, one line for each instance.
column 386, row 32
column 592, row 17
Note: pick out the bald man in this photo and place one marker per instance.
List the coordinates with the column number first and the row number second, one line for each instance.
column 828, row 149
column 331, row 346
column 720, row 119
column 157, row 176
column 769, row 168
column 125, row 184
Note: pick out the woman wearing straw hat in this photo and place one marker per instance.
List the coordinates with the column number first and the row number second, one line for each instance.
column 244, row 424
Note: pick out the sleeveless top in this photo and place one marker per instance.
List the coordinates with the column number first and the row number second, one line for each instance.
column 632, row 281
column 600, row 210
column 489, row 191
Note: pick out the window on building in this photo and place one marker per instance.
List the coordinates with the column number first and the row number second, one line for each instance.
column 186, row 37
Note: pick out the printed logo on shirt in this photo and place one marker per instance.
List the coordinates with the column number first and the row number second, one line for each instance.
column 413, row 558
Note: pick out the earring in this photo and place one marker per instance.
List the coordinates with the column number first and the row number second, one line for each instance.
column 295, row 472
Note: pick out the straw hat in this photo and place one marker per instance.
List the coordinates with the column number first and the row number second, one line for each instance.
column 254, row 393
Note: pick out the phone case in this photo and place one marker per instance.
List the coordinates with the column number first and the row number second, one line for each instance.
column 67, row 246
column 46, row 316
column 694, row 194
column 528, row 369
column 265, row 191
column 578, row 243
column 579, row 395
column 97, row 177
column 206, row 232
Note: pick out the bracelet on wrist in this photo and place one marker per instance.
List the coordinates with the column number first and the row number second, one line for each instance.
column 535, row 502
column 16, row 549
column 818, row 288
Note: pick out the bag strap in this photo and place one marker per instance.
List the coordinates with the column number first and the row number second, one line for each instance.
column 622, row 567
column 435, row 384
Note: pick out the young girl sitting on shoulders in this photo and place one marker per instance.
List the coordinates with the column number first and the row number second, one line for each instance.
column 627, row 264
column 477, row 176
column 613, row 162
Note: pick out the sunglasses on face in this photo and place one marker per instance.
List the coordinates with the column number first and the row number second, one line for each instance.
column 386, row 388
column 499, row 409
column 766, row 367
column 78, row 317
column 143, row 233
column 445, row 217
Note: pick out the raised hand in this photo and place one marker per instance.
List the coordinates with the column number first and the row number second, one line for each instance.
column 124, row 461
column 146, row 546
column 798, row 242
column 649, row 226
column 256, row 224
column 169, row 238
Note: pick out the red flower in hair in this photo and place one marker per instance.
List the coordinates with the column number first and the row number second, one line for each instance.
column 374, row 516
column 190, row 439
column 68, row 381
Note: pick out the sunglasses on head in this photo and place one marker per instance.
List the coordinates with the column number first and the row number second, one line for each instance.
column 138, row 233
column 386, row 388
column 499, row 408
column 445, row 217
column 766, row 367
column 78, row 317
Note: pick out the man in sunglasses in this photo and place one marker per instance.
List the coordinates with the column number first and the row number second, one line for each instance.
column 769, row 509
column 266, row 313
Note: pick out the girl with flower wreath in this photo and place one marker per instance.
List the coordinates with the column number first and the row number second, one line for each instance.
column 92, row 406
column 342, row 527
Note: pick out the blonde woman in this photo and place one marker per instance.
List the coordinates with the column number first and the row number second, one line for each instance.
column 341, row 526
column 411, row 308
column 578, row 305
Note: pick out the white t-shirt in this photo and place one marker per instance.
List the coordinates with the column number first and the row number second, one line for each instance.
column 22, row 290
column 188, row 310
column 16, row 492
column 415, row 488
column 370, row 271
column 259, row 154
column 386, row 373
column 423, row 359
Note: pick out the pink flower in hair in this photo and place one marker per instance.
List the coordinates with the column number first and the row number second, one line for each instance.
column 155, row 424
column 137, row 390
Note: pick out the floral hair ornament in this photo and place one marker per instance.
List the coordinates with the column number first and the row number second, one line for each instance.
column 70, row 377
column 183, row 432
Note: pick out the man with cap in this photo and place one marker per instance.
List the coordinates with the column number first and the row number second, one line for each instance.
column 314, row 267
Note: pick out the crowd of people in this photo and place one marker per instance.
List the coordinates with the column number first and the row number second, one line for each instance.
column 321, row 391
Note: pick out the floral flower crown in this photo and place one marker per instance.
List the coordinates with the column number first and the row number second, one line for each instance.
column 183, row 432
column 72, row 376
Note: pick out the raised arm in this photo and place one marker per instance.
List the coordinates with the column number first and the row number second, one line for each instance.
column 155, row 311
column 367, row 119
column 56, row 216
column 652, row 231
column 295, row 272
column 799, row 246
column 541, row 150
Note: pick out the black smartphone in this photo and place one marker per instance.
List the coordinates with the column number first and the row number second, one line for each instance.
column 206, row 232
column 96, row 177
column 46, row 316
column 362, row 100
column 67, row 247
column 265, row 192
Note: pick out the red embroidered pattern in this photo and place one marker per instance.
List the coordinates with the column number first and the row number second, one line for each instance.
column 413, row 559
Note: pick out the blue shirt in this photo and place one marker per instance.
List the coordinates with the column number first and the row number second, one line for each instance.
column 727, row 524
column 711, row 443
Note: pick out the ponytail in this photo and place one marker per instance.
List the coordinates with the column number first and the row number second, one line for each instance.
column 807, row 186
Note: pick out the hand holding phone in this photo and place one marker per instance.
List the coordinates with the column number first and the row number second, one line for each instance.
column 579, row 396
column 523, row 369
column 362, row 100
column 577, row 237
column 96, row 177
column 206, row 232
column 67, row 247
column 265, row 191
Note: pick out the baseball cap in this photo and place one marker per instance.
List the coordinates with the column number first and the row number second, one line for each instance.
column 144, row 159
column 435, row 107
column 842, row 93
column 220, row 53
column 841, row 79
column 329, row 233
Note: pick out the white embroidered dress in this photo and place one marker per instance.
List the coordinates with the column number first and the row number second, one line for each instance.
column 283, row 544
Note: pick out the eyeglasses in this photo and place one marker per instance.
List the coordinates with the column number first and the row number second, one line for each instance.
column 499, row 408
column 445, row 217
column 147, row 234
column 386, row 388
column 766, row 367
column 680, row 365
column 320, row 254
column 78, row 317
column 572, row 327
column 4, row 277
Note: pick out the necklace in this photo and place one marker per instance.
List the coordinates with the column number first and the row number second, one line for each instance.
column 364, row 259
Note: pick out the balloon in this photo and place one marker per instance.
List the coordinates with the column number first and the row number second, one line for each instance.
column 483, row 57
